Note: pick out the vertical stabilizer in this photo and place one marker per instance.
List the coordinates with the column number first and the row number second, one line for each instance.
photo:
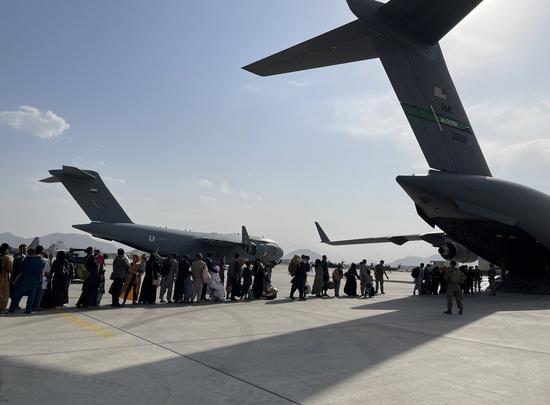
column 404, row 34
column 89, row 191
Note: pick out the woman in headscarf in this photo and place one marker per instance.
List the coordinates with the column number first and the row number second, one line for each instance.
column 317, row 288
column 151, row 281
column 259, row 277
column 130, row 288
column 215, row 286
column 350, row 289
column 5, row 270
column 60, row 280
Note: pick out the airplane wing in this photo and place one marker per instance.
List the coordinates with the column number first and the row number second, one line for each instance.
column 436, row 239
column 348, row 43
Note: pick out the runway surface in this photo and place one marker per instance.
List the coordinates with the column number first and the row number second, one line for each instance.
column 389, row 349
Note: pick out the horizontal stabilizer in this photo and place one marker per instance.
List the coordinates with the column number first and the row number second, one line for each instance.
column 348, row 43
column 435, row 239
column 428, row 20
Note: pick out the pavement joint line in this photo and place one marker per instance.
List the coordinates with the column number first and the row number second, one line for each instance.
column 462, row 339
column 196, row 361
column 72, row 351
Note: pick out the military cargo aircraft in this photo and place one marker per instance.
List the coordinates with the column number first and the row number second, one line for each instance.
column 110, row 222
column 498, row 220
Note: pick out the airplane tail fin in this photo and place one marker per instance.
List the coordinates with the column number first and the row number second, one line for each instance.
column 322, row 234
column 34, row 243
column 404, row 34
column 246, row 237
column 89, row 191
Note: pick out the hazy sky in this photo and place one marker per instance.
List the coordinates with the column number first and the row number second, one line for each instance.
column 152, row 95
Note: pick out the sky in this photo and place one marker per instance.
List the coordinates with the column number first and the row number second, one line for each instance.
column 152, row 96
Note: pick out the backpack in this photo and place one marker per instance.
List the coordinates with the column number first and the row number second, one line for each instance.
column 293, row 265
column 415, row 272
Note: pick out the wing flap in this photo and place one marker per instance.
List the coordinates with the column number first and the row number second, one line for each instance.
column 348, row 43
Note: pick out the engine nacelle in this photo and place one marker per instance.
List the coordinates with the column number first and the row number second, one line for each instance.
column 455, row 251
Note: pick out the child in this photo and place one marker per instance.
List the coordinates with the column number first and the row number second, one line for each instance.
column 369, row 289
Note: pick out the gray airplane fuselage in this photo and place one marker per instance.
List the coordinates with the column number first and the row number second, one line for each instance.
column 165, row 241
column 501, row 221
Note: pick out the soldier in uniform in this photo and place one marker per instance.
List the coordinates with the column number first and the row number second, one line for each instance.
column 454, row 278
column 379, row 273
column 492, row 275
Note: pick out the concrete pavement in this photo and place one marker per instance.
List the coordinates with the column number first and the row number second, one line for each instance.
column 389, row 349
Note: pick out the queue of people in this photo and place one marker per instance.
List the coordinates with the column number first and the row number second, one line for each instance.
column 46, row 283
column 42, row 279
column 430, row 279
column 299, row 268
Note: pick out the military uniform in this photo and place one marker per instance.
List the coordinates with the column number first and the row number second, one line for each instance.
column 379, row 277
column 492, row 285
column 454, row 278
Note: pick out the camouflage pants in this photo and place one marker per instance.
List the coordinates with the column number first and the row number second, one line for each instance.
column 454, row 291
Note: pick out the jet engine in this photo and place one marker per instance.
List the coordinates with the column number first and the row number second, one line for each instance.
column 454, row 251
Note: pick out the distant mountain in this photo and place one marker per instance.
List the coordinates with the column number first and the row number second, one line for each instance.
column 312, row 255
column 70, row 240
column 414, row 260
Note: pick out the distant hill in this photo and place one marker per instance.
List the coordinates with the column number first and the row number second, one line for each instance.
column 70, row 240
column 414, row 260
column 312, row 255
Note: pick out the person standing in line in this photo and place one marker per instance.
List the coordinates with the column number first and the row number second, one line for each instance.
column 167, row 283
column 492, row 279
column 363, row 276
column 197, row 268
column 337, row 276
column 326, row 276
column 16, row 267
column 419, row 272
column 130, row 289
column 222, row 269
column 478, row 278
column 350, row 288
column 30, row 280
column 210, row 266
column 60, row 280
column 90, row 287
column 247, row 280
column 5, row 272
column 299, row 280
column 233, row 275
column 454, row 278
column 379, row 273
column 317, row 288
column 428, row 275
column 179, row 285
column 121, row 268
column 151, row 280
column 259, row 278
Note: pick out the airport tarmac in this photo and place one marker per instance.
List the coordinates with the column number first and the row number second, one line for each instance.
column 391, row 349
